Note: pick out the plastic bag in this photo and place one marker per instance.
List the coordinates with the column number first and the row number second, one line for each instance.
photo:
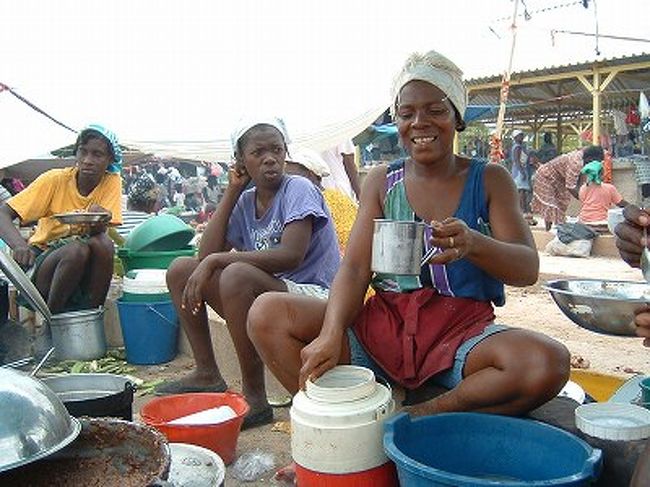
column 577, row 248
column 568, row 232
column 251, row 465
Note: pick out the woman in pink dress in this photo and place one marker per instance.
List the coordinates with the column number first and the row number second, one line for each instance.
column 559, row 179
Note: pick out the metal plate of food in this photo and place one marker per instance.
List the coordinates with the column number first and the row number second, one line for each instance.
column 83, row 217
column 599, row 305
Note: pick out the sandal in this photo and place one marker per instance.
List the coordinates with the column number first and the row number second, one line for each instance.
column 260, row 418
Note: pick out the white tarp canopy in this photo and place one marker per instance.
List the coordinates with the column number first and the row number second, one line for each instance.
column 173, row 77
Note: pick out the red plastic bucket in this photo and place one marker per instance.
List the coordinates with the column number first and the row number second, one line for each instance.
column 221, row 438
column 383, row 476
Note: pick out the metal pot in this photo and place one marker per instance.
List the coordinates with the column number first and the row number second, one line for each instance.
column 106, row 452
column 397, row 247
column 95, row 395
column 79, row 335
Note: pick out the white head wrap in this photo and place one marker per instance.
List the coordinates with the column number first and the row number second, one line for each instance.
column 245, row 124
column 309, row 159
column 517, row 132
column 436, row 69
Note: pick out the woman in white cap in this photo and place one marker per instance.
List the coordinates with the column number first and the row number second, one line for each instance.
column 309, row 164
column 284, row 241
column 438, row 327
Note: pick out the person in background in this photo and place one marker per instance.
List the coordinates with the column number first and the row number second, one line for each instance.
column 630, row 242
column 548, row 150
column 212, row 191
column 438, row 327
column 344, row 174
column 71, row 265
column 309, row 164
column 178, row 198
column 558, row 180
column 597, row 196
column 284, row 241
column 144, row 199
column 521, row 172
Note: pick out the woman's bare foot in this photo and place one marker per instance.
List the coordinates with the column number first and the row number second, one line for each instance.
column 193, row 382
column 287, row 474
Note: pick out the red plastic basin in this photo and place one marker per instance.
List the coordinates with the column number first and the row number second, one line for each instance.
column 221, row 438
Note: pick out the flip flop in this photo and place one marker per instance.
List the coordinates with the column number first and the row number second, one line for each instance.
column 177, row 387
column 260, row 418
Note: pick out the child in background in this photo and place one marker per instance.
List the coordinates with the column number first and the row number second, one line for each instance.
column 597, row 196
column 309, row 164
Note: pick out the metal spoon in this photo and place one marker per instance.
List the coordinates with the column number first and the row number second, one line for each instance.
column 42, row 362
column 645, row 257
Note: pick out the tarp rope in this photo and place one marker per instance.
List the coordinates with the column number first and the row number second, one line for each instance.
column 4, row 87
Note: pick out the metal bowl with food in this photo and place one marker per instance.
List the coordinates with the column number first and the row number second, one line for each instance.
column 599, row 305
column 83, row 217
column 107, row 452
column 34, row 423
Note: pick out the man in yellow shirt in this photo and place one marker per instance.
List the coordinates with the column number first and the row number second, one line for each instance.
column 71, row 265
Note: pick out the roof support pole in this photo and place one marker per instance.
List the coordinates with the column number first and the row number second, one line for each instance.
column 595, row 133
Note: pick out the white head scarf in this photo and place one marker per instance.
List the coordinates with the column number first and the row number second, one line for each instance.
column 309, row 159
column 436, row 69
column 245, row 124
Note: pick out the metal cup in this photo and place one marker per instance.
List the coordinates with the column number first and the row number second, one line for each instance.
column 397, row 247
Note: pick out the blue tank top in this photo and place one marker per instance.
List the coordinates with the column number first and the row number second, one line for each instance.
column 460, row 278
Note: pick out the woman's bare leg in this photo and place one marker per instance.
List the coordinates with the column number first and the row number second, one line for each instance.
column 240, row 285
column 196, row 327
column 511, row 373
column 280, row 325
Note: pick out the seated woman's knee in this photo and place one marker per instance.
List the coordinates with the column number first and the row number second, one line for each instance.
column 179, row 272
column 547, row 367
column 77, row 252
column 261, row 315
column 101, row 247
column 237, row 278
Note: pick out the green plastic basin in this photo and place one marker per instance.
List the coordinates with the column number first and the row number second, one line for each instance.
column 160, row 232
column 151, row 259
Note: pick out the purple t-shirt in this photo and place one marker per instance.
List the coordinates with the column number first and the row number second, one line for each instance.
column 296, row 199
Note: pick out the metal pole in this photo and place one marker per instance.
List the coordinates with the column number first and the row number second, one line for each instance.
column 496, row 153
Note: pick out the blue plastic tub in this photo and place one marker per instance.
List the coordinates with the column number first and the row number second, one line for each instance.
column 150, row 331
column 472, row 449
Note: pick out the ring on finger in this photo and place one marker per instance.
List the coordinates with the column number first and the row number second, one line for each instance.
column 451, row 242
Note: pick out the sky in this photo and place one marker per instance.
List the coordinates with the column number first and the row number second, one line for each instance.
column 186, row 71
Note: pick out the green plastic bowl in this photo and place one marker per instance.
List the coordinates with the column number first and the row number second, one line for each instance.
column 160, row 232
column 144, row 298
column 152, row 259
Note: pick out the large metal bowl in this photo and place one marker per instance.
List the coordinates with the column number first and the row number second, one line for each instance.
column 600, row 306
column 34, row 423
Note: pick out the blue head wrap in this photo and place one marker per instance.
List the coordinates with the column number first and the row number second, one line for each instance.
column 116, row 165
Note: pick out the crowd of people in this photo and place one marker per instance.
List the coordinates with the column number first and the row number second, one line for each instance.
column 292, row 284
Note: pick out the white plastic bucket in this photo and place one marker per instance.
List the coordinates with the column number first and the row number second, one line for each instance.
column 145, row 285
column 337, row 422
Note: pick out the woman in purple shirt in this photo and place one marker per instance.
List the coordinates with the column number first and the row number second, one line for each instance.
column 284, row 241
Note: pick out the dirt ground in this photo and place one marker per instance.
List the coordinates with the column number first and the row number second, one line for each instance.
column 530, row 307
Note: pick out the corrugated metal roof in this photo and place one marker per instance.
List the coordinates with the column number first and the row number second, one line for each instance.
column 533, row 99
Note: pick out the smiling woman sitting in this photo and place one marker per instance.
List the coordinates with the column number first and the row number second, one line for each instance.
column 437, row 327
